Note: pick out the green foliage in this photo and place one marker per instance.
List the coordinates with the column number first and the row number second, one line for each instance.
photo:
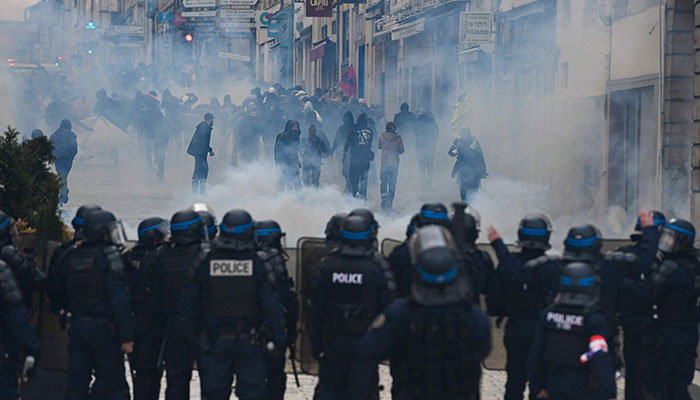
column 29, row 190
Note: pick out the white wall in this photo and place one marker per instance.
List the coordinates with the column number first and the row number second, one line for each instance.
column 635, row 45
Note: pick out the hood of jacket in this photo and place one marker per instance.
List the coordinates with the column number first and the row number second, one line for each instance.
column 391, row 137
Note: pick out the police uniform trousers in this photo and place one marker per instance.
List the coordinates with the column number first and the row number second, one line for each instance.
column 179, row 360
column 10, row 367
column 342, row 375
column 518, row 339
column 276, row 377
column 570, row 384
column 634, row 329
column 144, row 363
column 228, row 357
column 668, row 362
column 94, row 346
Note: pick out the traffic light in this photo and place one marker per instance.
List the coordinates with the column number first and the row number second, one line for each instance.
column 59, row 59
column 188, row 37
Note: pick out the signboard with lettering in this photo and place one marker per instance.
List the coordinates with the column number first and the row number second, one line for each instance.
column 319, row 8
column 237, row 13
column 475, row 27
column 234, row 56
column 198, row 14
column 238, row 2
column 126, row 30
column 199, row 3
column 235, row 25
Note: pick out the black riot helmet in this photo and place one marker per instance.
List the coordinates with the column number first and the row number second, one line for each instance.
column 534, row 232
column 436, row 269
column 209, row 228
column 659, row 222
column 186, row 227
column 464, row 225
column 433, row 213
column 237, row 225
column 333, row 228
column 8, row 229
column 357, row 232
column 583, row 242
column 79, row 219
column 101, row 223
column 578, row 286
column 152, row 230
column 269, row 235
column 412, row 225
column 676, row 236
column 369, row 216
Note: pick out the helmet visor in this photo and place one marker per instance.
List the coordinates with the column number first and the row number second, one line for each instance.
column 116, row 233
column 669, row 242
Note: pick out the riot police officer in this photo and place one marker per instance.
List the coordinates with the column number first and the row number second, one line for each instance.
column 179, row 261
column 239, row 304
column 140, row 262
column 570, row 348
column 268, row 236
column 210, row 229
column 351, row 291
column 437, row 337
column 333, row 228
column 523, row 289
column 399, row 259
column 28, row 276
column 635, row 304
column 669, row 346
column 16, row 331
column 464, row 227
column 91, row 285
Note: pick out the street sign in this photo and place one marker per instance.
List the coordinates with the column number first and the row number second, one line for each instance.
column 165, row 44
column 237, row 35
column 199, row 3
column 237, row 13
column 319, row 8
column 195, row 14
column 202, row 24
column 234, row 56
column 236, row 25
column 238, row 2
column 126, row 30
column 475, row 27
column 264, row 18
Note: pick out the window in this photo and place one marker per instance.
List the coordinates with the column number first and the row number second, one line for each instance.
column 334, row 27
column 324, row 31
column 346, row 35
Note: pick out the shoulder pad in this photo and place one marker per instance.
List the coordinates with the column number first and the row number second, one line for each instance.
column 536, row 262
column 8, row 286
column 114, row 259
column 618, row 256
column 264, row 256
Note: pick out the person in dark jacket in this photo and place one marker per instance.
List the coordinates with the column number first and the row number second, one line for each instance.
column 341, row 135
column 287, row 157
column 314, row 149
column 359, row 145
column 37, row 133
column 246, row 136
column 199, row 148
column 470, row 167
column 427, row 133
column 405, row 120
column 65, row 145
column 391, row 145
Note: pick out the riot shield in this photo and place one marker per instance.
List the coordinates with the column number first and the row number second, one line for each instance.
column 388, row 245
column 310, row 252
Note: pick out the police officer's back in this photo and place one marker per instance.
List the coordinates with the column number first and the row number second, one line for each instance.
column 268, row 237
column 669, row 347
column 28, row 276
column 351, row 291
column 15, row 332
column 524, row 286
column 140, row 262
column 437, row 337
column 464, row 227
column 239, row 304
column 93, row 290
column 176, row 266
column 570, row 358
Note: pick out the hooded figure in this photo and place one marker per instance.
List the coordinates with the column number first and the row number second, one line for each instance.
column 470, row 167
column 391, row 145
column 65, row 148
column 359, row 145
column 287, row 156
column 427, row 133
column 314, row 149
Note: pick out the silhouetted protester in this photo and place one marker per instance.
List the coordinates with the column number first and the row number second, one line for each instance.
column 341, row 135
column 405, row 121
column 427, row 132
column 37, row 133
column 314, row 149
column 246, row 137
column 151, row 129
column 470, row 167
column 65, row 145
column 287, row 157
column 199, row 148
column 359, row 145
column 391, row 145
